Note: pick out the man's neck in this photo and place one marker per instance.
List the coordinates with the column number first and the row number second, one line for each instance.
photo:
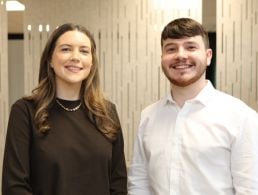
column 182, row 94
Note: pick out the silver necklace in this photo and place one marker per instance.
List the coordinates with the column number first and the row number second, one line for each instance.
column 68, row 109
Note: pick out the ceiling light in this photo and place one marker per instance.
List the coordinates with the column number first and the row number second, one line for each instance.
column 14, row 6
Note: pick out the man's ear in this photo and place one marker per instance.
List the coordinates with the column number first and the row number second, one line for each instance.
column 208, row 56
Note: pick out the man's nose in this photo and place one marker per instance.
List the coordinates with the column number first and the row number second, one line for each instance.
column 181, row 53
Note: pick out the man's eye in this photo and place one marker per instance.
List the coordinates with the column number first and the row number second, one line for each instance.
column 169, row 50
column 191, row 47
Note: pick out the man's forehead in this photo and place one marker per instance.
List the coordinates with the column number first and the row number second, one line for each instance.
column 183, row 40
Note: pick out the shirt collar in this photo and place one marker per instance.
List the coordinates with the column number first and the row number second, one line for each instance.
column 206, row 94
column 203, row 97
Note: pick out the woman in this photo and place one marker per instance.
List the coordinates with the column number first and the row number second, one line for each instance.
column 65, row 138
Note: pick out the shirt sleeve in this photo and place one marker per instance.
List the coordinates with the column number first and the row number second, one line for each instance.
column 244, row 159
column 118, row 185
column 138, row 178
column 16, row 168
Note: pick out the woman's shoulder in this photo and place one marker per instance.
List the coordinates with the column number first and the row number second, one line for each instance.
column 111, row 107
column 23, row 103
column 109, row 103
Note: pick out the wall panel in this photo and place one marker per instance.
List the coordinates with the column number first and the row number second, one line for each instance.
column 3, row 79
column 237, row 48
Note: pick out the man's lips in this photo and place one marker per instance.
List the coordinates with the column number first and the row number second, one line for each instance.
column 181, row 66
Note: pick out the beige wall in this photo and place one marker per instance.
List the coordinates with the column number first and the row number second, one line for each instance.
column 237, row 49
column 15, row 69
column 209, row 15
column 3, row 79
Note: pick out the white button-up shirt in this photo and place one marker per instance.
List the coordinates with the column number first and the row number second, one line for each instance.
column 208, row 147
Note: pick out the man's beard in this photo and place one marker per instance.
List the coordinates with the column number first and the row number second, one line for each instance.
column 185, row 82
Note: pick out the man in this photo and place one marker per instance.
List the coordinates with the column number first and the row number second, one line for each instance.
column 197, row 140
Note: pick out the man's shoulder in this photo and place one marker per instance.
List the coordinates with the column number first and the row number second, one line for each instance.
column 233, row 103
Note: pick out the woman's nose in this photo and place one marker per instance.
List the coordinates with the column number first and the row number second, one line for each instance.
column 75, row 56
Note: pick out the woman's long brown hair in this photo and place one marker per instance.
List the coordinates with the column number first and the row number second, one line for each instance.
column 45, row 93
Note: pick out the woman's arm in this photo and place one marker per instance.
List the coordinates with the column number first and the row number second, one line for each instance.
column 16, row 165
column 118, row 183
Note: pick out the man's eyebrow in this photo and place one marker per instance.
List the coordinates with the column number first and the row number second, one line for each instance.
column 169, row 44
column 191, row 42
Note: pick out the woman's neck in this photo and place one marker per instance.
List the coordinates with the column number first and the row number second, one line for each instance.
column 68, row 92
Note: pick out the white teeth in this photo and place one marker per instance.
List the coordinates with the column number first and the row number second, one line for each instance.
column 182, row 66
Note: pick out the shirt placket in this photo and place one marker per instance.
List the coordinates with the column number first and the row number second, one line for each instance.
column 176, row 148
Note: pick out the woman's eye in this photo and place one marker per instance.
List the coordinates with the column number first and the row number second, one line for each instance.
column 65, row 49
column 85, row 51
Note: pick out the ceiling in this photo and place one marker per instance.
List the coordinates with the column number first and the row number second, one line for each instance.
column 15, row 19
column 15, row 22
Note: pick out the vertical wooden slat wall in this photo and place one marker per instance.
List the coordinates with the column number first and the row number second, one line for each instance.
column 237, row 49
column 3, row 80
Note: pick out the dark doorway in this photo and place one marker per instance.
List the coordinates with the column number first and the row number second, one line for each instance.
column 211, row 70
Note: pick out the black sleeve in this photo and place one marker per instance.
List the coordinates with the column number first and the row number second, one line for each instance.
column 118, row 185
column 16, row 166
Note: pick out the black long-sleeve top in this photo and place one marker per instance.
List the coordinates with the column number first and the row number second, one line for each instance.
column 73, row 158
